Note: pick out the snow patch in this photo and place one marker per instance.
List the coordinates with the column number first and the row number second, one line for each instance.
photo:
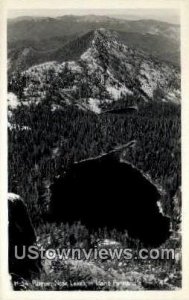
column 117, row 92
column 160, row 207
column 94, row 105
column 13, row 197
column 13, row 101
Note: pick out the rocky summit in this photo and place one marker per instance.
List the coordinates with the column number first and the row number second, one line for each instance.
column 105, row 70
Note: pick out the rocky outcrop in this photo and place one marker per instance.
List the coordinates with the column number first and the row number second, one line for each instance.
column 21, row 234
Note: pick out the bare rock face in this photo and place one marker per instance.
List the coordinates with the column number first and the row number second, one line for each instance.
column 22, row 236
column 107, row 192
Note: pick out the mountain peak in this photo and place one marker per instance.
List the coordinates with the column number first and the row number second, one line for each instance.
column 105, row 33
column 99, row 68
column 105, row 41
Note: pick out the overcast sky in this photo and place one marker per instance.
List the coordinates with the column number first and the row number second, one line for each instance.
column 166, row 15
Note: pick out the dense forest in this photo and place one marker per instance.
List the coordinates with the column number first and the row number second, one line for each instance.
column 51, row 140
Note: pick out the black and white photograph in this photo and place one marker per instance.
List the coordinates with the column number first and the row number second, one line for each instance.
column 94, row 149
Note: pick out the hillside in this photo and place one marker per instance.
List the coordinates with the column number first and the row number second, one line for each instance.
column 101, row 69
column 30, row 53
column 31, row 39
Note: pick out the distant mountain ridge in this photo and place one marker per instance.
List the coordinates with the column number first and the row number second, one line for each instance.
column 40, row 27
column 34, row 34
